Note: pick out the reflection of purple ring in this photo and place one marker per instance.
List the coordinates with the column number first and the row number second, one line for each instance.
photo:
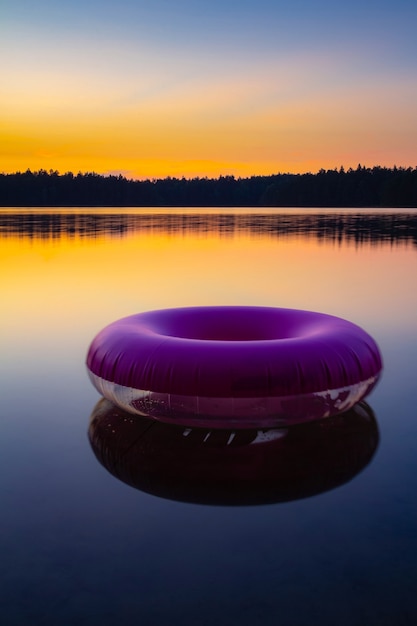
column 233, row 467
column 241, row 366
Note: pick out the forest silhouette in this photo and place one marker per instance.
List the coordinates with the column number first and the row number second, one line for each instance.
column 362, row 187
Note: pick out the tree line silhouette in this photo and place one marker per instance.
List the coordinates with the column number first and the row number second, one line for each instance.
column 362, row 187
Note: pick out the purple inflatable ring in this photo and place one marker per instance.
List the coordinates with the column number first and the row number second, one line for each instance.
column 234, row 366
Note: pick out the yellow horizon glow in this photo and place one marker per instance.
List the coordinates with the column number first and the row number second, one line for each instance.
column 293, row 117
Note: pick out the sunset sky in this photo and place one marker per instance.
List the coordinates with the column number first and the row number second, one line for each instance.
column 196, row 88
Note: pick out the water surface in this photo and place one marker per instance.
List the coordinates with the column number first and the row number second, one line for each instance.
column 332, row 542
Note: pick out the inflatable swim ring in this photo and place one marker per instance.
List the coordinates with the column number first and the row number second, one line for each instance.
column 238, row 367
column 233, row 467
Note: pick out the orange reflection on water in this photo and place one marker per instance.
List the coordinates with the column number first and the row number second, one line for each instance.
column 56, row 278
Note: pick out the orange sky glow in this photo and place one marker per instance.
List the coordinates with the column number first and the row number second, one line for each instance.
column 150, row 106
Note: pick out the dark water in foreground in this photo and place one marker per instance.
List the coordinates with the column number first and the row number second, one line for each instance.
column 106, row 519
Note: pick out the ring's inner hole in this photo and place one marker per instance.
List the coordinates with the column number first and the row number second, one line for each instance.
column 227, row 325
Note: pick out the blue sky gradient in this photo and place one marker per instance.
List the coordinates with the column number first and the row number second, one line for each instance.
column 295, row 78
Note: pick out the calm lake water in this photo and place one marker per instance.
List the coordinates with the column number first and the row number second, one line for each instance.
column 316, row 525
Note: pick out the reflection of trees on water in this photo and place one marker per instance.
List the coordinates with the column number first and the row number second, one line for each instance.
column 357, row 228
